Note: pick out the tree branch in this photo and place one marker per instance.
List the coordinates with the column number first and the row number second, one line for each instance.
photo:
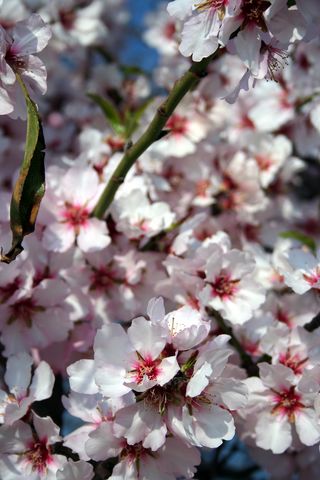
column 186, row 83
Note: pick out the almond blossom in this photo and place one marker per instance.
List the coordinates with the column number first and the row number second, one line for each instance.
column 70, row 221
column 301, row 269
column 27, row 453
column 24, row 388
column 283, row 409
column 18, row 45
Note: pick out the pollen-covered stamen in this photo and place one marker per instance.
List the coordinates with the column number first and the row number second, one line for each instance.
column 253, row 10
column 76, row 215
column 287, row 403
column 145, row 367
column 276, row 61
column 224, row 287
column 212, row 4
column 39, row 455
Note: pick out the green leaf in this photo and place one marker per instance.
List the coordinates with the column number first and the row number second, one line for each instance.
column 300, row 237
column 30, row 186
column 132, row 119
column 110, row 113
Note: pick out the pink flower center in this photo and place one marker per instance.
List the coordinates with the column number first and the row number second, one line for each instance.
column 76, row 215
column 202, row 188
column 67, row 18
column 133, row 452
column 295, row 362
column 103, row 278
column 146, row 367
column 13, row 59
column 169, row 30
column 264, row 162
column 23, row 310
column 287, row 403
column 313, row 278
column 253, row 10
column 6, row 291
column 39, row 456
column 283, row 317
column 177, row 124
column 224, row 287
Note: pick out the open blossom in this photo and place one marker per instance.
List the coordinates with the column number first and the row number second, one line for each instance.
column 98, row 413
column 26, row 453
column 70, row 220
column 24, row 317
column 18, row 46
column 138, row 218
column 24, row 388
column 135, row 360
column 300, row 268
column 230, row 286
column 282, row 407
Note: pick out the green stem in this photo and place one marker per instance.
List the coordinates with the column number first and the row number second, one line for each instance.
column 186, row 83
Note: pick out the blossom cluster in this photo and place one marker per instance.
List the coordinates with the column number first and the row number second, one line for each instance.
column 189, row 313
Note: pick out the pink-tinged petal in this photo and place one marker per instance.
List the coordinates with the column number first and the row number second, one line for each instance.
column 180, row 8
column 58, row 237
column 76, row 471
column 50, row 292
column 18, row 374
column 31, row 35
column 15, row 438
column 273, row 432
column 307, row 426
column 6, row 105
column 199, row 381
column 139, row 423
column 155, row 310
column 102, row 444
column 213, row 425
column 42, row 382
column 46, row 429
column 195, row 42
column 112, row 346
column 278, row 377
column 77, row 440
column 248, row 44
column 82, row 377
column 229, row 392
column 148, row 339
column 35, row 75
column 168, row 368
column 14, row 411
column 80, row 185
column 127, row 470
column 8, row 76
column 110, row 380
column 93, row 236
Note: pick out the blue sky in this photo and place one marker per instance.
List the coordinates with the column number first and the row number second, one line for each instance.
column 136, row 52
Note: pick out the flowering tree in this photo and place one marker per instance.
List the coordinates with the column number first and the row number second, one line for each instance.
column 160, row 275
